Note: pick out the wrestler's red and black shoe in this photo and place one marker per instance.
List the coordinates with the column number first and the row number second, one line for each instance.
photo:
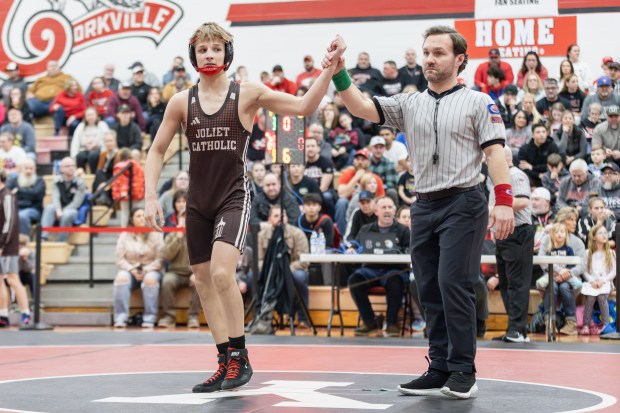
column 213, row 383
column 239, row 369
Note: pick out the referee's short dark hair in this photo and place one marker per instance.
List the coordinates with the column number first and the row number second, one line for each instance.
column 313, row 198
column 459, row 44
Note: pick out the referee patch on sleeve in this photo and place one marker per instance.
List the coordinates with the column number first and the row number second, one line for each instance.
column 496, row 119
column 493, row 109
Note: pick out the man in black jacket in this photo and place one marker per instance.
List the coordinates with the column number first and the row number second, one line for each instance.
column 533, row 155
column 385, row 210
column 261, row 205
column 30, row 193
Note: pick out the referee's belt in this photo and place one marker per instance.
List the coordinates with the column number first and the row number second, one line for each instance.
column 444, row 193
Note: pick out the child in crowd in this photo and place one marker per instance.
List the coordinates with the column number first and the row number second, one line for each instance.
column 600, row 270
column 563, row 281
column 555, row 172
column 598, row 160
column 406, row 187
column 597, row 214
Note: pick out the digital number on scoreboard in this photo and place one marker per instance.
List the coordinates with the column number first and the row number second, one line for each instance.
column 285, row 138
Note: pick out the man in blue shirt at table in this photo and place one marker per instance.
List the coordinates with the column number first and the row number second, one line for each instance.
column 371, row 275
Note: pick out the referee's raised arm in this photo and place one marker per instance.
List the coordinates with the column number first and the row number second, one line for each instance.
column 358, row 104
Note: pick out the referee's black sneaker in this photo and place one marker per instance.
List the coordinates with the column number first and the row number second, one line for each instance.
column 239, row 369
column 429, row 383
column 460, row 385
column 213, row 383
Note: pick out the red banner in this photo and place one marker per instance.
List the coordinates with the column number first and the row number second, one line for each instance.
column 547, row 36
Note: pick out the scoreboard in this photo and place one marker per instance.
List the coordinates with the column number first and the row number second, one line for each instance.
column 285, row 139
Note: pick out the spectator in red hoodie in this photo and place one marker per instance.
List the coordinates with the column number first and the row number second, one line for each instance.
column 310, row 73
column 279, row 83
column 68, row 107
column 480, row 78
column 99, row 96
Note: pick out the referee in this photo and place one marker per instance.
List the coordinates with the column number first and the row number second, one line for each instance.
column 515, row 258
column 448, row 129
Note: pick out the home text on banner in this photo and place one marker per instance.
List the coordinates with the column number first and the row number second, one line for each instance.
column 494, row 9
column 547, row 36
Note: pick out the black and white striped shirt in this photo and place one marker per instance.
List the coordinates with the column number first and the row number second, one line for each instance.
column 465, row 122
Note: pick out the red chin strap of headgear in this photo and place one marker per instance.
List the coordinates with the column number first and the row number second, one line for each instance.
column 210, row 70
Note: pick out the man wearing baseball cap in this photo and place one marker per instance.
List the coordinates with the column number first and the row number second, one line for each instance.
column 607, row 134
column 610, row 188
column 603, row 95
column 14, row 81
column 507, row 104
column 614, row 69
column 382, row 166
column 280, row 83
column 480, row 78
column 310, row 73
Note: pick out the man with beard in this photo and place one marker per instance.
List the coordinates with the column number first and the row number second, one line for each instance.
column 393, row 81
column 261, row 205
column 607, row 134
column 364, row 76
column 610, row 191
column 542, row 213
column 310, row 73
column 603, row 95
column 575, row 190
column 412, row 72
column 320, row 168
column 30, row 193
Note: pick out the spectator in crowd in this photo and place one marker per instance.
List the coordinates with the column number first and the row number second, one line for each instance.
column 128, row 134
column 565, row 73
column 572, row 93
column 9, row 249
column 495, row 81
column 372, row 275
column 313, row 220
column 256, row 178
column 533, row 155
column 590, row 121
column 297, row 244
column 300, row 184
column 329, row 120
column 257, row 143
column 181, row 182
column 122, row 185
column 155, row 109
column 261, row 205
column 310, row 73
column 366, row 76
column 68, row 107
column 480, row 77
column 412, row 72
column 265, row 76
column 543, row 106
column 17, row 101
column 13, row 80
column 320, row 168
column 508, row 104
column 23, row 132
column 169, row 76
column 44, row 90
column 598, row 161
column 26, row 262
column 179, row 273
column 316, row 131
column 150, row 78
column 533, row 85
column 581, row 68
column 364, row 215
column 344, row 139
column 519, row 134
column 88, row 139
column 239, row 76
column 98, row 96
column 68, row 194
column 528, row 105
column 531, row 65
column 600, row 271
column 350, row 179
column 607, row 134
column 597, row 215
column 610, row 187
column 406, row 187
column 280, row 83
column 109, row 80
column 383, row 167
column 124, row 98
column 554, row 120
column 108, row 157
column 30, row 191
column 395, row 151
column 11, row 157
column 603, row 95
column 542, row 214
column 556, row 172
column 369, row 183
column 139, row 259
column 570, row 139
column 177, row 84
column 392, row 82
column 563, row 279
column 614, row 69
column 604, row 67
column 575, row 190
column 139, row 87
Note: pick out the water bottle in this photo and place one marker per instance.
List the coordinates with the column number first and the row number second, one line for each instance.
column 321, row 243
column 56, row 167
column 314, row 238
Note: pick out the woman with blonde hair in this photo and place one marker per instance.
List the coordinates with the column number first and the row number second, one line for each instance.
column 528, row 105
column 534, row 85
column 181, row 181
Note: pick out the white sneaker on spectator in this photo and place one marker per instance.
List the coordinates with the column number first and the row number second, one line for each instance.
column 120, row 324
column 166, row 322
column 516, row 337
column 147, row 325
column 193, row 322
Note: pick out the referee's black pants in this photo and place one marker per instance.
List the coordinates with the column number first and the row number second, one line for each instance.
column 515, row 255
column 446, row 244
